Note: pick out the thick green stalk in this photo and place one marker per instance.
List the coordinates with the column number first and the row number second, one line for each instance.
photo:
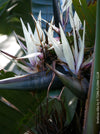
column 92, row 121
column 71, row 83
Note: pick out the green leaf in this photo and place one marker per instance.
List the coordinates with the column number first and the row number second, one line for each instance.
column 64, row 108
column 3, row 6
column 10, row 14
column 70, row 101
column 10, row 119
column 88, row 13
column 6, row 74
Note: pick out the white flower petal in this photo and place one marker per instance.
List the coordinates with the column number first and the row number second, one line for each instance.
column 67, row 50
column 77, row 21
column 38, row 32
column 57, row 46
column 21, row 44
column 39, row 18
column 31, row 48
column 75, row 46
column 74, row 35
column 71, row 16
column 88, row 61
column 50, row 30
column 84, row 33
column 28, row 38
column 66, row 5
column 51, row 48
column 30, row 55
column 74, row 20
column 81, row 52
column 30, row 30
column 56, row 29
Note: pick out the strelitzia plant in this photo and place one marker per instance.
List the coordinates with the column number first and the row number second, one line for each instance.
column 34, row 42
column 72, row 57
column 34, row 52
column 35, row 45
column 32, row 49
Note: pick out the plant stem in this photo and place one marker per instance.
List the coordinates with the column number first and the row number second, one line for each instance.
column 92, row 122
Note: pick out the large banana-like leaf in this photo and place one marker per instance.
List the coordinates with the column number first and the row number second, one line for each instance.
column 58, row 113
column 70, row 102
column 11, row 11
column 88, row 13
column 10, row 118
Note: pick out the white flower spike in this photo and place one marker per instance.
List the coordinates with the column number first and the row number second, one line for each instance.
column 67, row 50
column 31, row 47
